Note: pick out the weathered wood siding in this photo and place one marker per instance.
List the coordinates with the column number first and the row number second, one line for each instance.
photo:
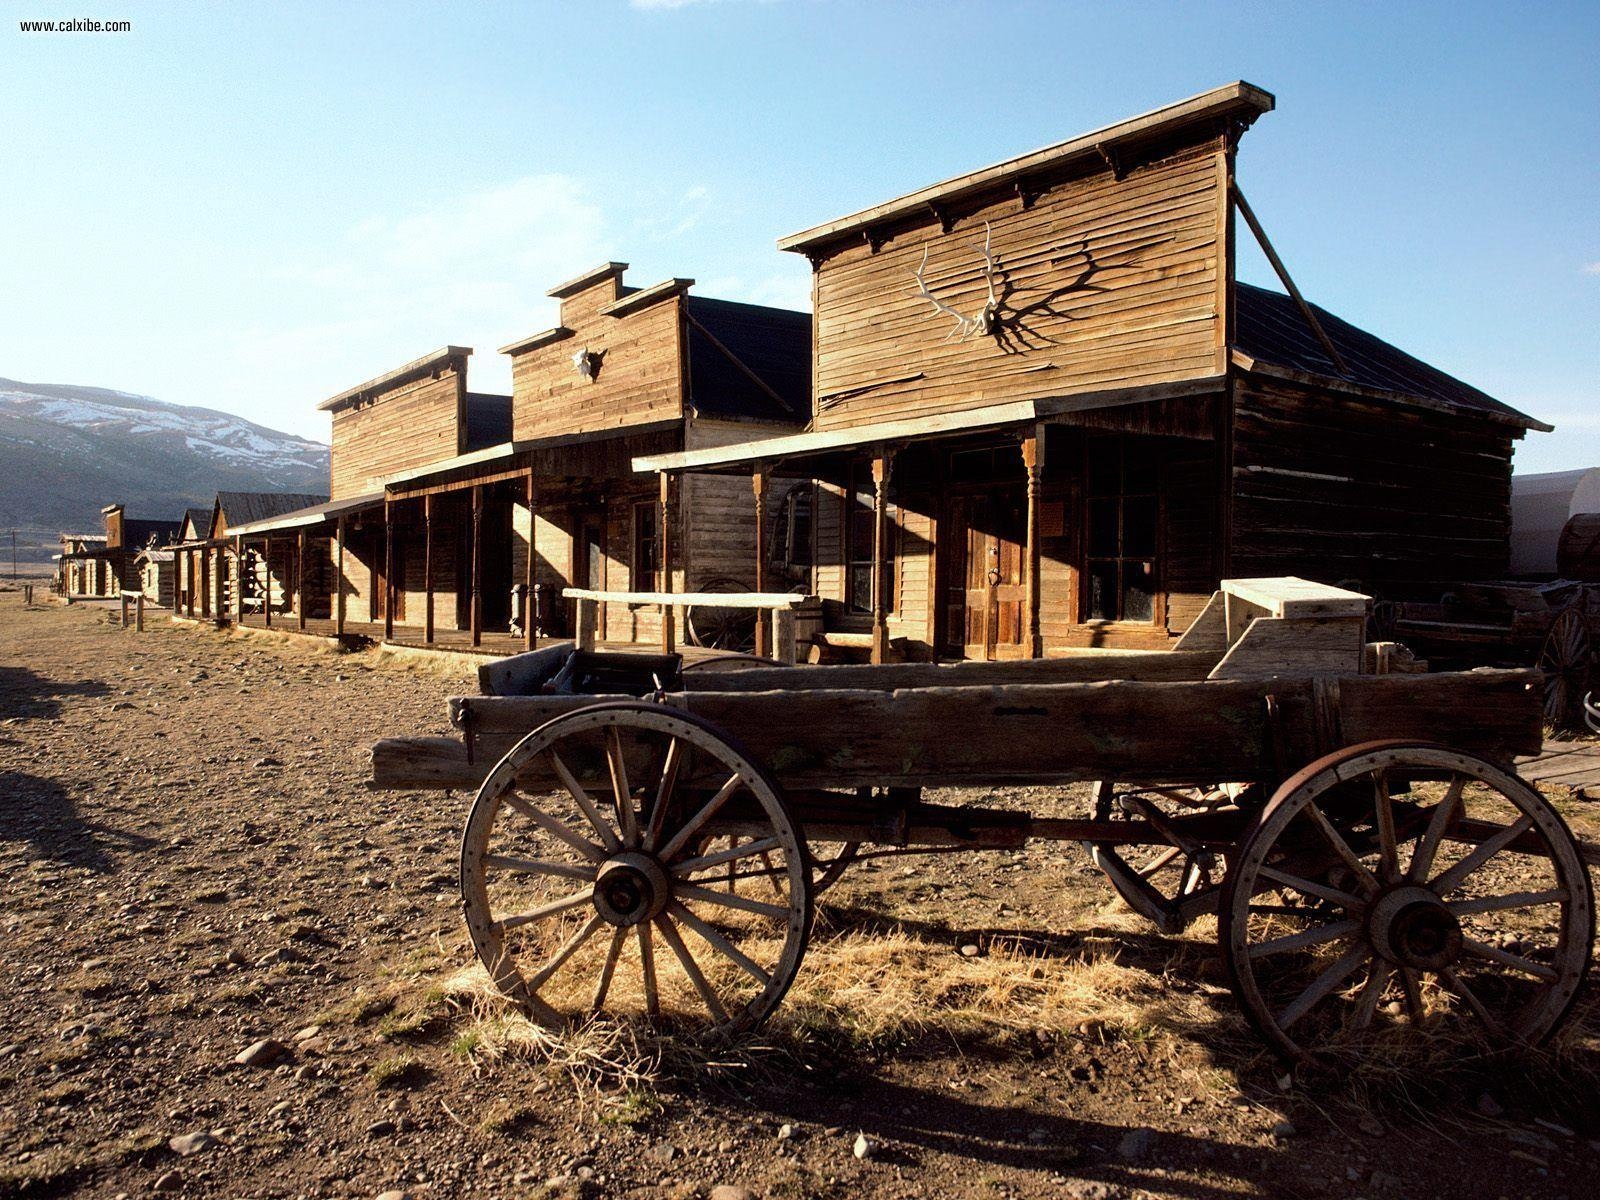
column 1102, row 283
column 1336, row 489
column 409, row 426
column 640, row 374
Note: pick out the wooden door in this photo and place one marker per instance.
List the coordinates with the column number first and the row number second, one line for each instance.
column 982, row 541
column 589, row 559
column 381, row 593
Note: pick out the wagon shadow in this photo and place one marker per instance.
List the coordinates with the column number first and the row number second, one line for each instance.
column 25, row 693
column 914, row 1124
column 43, row 814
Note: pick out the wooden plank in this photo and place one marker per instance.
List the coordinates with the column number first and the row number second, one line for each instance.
column 1291, row 596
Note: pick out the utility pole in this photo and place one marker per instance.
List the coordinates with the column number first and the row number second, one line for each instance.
column 13, row 554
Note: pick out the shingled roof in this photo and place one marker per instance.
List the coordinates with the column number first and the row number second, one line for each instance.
column 1270, row 328
column 244, row 507
column 748, row 361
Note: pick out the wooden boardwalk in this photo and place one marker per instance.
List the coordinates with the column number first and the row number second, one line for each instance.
column 1574, row 765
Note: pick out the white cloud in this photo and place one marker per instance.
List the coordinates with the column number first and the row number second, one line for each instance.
column 1591, row 268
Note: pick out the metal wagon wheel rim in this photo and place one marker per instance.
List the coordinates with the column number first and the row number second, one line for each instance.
column 1406, row 915
column 632, row 925
column 1565, row 657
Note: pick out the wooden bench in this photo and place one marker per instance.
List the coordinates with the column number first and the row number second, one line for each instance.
column 784, row 607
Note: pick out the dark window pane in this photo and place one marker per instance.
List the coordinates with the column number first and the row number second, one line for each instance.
column 861, row 586
column 1103, row 527
column 1103, row 591
column 1139, row 517
column 1138, row 599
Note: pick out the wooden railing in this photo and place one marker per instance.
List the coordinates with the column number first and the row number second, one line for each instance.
column 781, row 605
column 138, row 601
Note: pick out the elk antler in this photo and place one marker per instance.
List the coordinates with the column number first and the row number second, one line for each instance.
column 980, row 322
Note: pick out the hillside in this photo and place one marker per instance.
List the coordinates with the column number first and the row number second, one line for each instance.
column 66, row 450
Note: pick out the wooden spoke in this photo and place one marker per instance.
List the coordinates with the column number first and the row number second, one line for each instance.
column 772, row 873
column 1451, row 879
column 534, row 866
column 1324, row 984
column 670, row 935
column 1459, row 986
column 613, row 952
column 681, row 838
column 647, row 968
column 664, row 791
column 1311, row 888
column 1488, row 904
column 720, row 943
column 547, row 910
column 1383, row 809
column 1371, row 993
column 705, row 861
column 556, row 829
column 1413, row 990
column 1297, row 912
column 621, row 792
column 1438, row 822
column 1307, row 937
column 1341, row 847
column 542, row 976
column 591, row 813
column 1160, row 861
column 777, row 912
column 1506, row 959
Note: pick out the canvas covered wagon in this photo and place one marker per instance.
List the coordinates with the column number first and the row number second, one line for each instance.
column 648, row 840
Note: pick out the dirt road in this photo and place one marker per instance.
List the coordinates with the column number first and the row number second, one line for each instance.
column 192, row 865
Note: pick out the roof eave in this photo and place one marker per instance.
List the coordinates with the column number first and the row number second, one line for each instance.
column 425, row 365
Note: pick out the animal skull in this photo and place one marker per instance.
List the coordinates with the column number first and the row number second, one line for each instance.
column 583, row 363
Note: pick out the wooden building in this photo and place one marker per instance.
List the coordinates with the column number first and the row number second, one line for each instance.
column 1045, row 414
column 458, row 516
column 156, row 564
column 208, row 571
column 91, row 567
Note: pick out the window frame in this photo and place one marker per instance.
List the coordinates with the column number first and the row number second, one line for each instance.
column 1097, row 448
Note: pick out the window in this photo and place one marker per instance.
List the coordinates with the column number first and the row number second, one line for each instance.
column 792, row 537
column 1123, row 515
column 858, row 527
column 645, row 547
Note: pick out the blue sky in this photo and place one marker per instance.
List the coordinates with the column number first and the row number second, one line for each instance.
column 255, row 206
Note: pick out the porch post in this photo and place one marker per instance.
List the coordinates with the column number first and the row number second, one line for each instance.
column 300, row 580
column 530, row 599
column 266, row 587
column 758, row 484
column 208, row 603
column 427, row 568
column 882, row 464
column 388, row 570
column 664, row 553
column 477, row 565
column 338, row 610
column 1030, row 460
column 238, row 580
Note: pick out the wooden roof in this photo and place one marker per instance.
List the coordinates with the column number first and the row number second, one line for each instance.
column 748, row 361
column 416, row 369
column 1270, row 329
column 1239, row 100
column 314, row 514
column 241, row 508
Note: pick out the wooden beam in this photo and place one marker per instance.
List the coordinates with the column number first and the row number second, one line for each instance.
column 1283, row 274
column 300, row 581
column 338, row 612
column 266, row 583
column 664, row 554
column 476, row 619
column 1030, row 460
column 882, row 465
column 758, row 484
column 427, row 569
column 388, row 570
column 530, row 579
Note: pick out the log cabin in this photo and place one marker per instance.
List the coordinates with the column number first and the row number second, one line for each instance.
column 1046, row 415
column 96, row 567
column 208, row 574
column 458, row 519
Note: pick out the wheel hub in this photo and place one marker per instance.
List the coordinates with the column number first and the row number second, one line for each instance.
column 631, row 888
column 1412, row 927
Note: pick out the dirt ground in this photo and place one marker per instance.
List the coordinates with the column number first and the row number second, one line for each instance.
column 191, row 863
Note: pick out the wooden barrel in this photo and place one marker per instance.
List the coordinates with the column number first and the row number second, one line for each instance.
column 1578, row 551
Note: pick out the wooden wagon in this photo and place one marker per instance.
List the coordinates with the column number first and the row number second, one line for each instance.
column 1375, row 866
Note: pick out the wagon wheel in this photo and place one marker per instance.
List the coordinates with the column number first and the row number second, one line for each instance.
column 717, row 628
column 1565, row 659
column 1168, row 885
column 1368, row 906
column 580, row 900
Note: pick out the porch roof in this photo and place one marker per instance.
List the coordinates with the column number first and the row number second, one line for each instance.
column 495, row 461
column 816, row 443
column 316, row 514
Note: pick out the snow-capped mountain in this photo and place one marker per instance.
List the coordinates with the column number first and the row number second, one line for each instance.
column 66, row 451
